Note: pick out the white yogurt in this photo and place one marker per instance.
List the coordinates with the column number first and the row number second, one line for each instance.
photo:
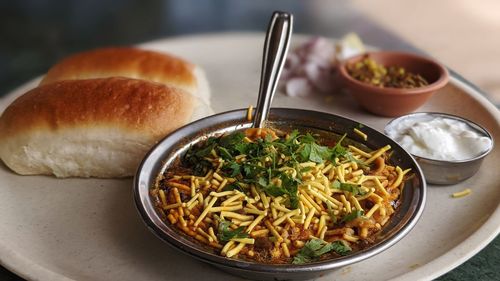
column 439, row 138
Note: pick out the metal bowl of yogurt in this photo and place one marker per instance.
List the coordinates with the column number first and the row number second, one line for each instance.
column 448, row 148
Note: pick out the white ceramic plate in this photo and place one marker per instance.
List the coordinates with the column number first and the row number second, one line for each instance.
column 88, row 229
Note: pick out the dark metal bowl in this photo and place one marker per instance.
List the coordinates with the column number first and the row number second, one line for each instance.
column 169, row 149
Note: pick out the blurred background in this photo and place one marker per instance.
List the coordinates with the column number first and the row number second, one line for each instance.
column 462, row 34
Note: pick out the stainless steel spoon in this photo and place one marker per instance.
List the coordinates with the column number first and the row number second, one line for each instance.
column 276, row 46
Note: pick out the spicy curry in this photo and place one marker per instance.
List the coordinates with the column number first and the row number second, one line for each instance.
column 274, row 197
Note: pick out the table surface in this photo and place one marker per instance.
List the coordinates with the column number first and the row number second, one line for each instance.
column 35, row 35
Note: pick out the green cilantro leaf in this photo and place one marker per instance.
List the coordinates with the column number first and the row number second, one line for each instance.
column 355, row 189
column 252, row 172
column 307, row 138
column 228, row 141
column 233, row 186
column 233, row 168
column 291, row 187
column 315, row 248
column 224, row 153
column 195, row 158
column 225, row 233
column 292, row 137
column 338, row 150
column 340, row 247
column 241, row 147
column 351, row 158
column 352, row 215
column 311, row 151
column 274, row 190
column 204, row 152
column 319, row 153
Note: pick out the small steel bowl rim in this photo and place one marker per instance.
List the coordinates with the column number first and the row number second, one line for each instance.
column 441, row 162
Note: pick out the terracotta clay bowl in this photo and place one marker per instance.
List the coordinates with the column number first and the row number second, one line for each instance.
column 393, row 102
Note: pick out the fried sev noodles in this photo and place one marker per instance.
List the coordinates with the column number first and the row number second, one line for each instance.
column 280, row 199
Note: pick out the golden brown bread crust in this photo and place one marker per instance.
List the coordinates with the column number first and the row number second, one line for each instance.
column 125, row 62
column 138, row 106
column 97, row 113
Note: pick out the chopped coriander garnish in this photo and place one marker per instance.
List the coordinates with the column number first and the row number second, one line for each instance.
column 226, row 233
column 263, row 160
column 315, row 248
column 352, row 215
column 233, row 186
column 340, row 247
column 355, row 189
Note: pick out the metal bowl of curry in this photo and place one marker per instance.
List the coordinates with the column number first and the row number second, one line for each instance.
column 284, row 255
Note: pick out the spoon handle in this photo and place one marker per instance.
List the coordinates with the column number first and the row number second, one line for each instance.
column 276, row 46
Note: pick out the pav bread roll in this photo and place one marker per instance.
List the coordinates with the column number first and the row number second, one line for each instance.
column 98, row 127
column 132, row 63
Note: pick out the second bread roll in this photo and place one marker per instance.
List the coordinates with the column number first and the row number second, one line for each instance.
column 132, row 63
